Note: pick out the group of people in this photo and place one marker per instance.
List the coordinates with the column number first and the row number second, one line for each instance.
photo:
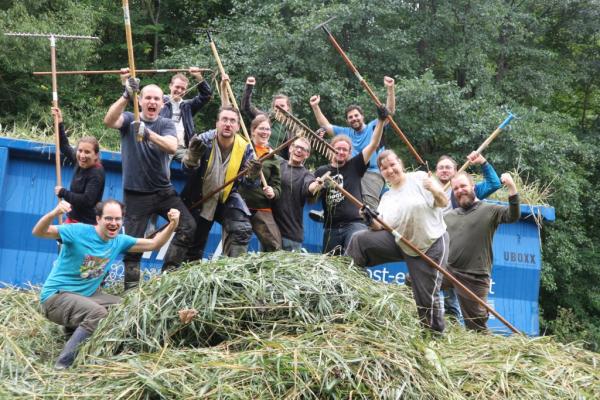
column 242, row 185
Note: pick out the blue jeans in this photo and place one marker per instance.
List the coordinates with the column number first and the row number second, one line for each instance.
column 451, row 305
column 290, row 245
column 337, row 239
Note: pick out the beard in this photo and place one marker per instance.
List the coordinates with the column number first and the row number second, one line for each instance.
column 466, row 201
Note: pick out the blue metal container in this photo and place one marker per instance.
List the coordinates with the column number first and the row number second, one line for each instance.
column 27, row 179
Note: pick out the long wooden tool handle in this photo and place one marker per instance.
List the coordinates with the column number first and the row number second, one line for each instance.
column 484, row 145
column 373, row 96
column 131, row 60
column 55, row 104
column 118, row 71
column 229, row 182
column 429, row 261
column 213, row 47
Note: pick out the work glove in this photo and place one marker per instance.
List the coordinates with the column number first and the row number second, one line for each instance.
column 382, row 112
column 196, row 147
column 254, row 168
column 132, row 86
column 140, row 130
column 368, row 214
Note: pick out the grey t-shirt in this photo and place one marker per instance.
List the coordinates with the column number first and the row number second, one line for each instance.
column 145, row 165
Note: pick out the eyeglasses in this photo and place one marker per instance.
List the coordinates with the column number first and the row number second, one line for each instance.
column 226, row 120
column 304, row 149
column 112, row 219
column 264, row 129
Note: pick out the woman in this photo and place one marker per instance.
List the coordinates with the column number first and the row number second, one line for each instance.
column 87, row 185
column 414, row 208
column 260, row 199
column 279, row 132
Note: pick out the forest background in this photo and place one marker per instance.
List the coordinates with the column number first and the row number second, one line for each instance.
column 459, row 67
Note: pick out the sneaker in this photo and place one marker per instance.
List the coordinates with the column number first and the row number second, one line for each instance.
column 316, row 215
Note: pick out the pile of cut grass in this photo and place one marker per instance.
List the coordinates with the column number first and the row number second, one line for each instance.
column 280, row 325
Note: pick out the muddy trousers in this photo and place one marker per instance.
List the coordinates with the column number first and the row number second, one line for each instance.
column 474, row 314
column 73, row 310
column 139, row 208
column 233, row 221
column 369, row 248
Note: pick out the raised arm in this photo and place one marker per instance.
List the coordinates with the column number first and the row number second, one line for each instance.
column 513, row 213
column 368, row 151
column 65, row 147
column 204, row 91
column 114, row 115
column 43, row 228
column 321, row 120
column 143, row 245
column 247, row 108
column 439, row 196
column 225, row 102
column 390, row 103
column 490, row 182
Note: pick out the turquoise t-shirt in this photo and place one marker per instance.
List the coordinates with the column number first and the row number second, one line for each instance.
column 83, row 261
column 360, row 140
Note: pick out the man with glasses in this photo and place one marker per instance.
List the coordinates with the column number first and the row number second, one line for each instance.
column 71, row 295
column 297, row 184
column 342, row 218
column 360, row 135
column 212, row 158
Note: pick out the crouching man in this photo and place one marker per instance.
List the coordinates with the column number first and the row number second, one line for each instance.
column 71, row 295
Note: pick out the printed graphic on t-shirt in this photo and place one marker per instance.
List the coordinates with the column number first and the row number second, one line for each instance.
column 92, row 267
column 335, row 197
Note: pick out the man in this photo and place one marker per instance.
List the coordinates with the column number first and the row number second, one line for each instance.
column 445, row 170
column 146, row 176
column 360, row 134
column 181, row 111
column 71, row 295
column 342, row 218
column 297, row 184
column 279, row 133
column 212, row 158
column 471, row 227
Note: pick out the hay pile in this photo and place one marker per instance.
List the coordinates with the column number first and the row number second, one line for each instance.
column 280, row 326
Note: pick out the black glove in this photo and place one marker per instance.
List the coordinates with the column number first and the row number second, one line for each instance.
column 254, row 168
column 368, row 214
column 382, row 112
column 132, row 86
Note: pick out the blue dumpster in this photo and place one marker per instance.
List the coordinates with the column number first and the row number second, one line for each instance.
column 27, row 179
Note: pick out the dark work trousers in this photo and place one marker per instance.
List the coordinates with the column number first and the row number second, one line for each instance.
column 335, row 240
column 474, row 314
column 265, row 228
column 139, row 208
column 235, row 222
column 72, row 310
column 369, row 248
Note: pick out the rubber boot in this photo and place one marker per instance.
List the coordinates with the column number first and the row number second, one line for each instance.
column 132, row 275
column 176, row 254
column 68, row 353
